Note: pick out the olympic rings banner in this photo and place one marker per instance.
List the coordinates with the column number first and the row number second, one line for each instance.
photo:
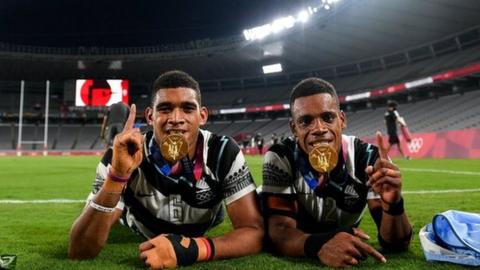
column 447, row 144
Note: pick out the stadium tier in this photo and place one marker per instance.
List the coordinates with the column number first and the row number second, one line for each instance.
column 228, row 69
column 451, row 112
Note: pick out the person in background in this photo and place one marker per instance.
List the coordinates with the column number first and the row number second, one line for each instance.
column 274, row 138
column 113, row 122
column 392, row 118
column 259, row 141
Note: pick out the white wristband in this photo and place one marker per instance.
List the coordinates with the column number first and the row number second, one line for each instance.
column 101, row 208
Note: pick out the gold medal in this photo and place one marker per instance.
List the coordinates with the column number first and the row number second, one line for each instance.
column 174, row 147
column 323, row 158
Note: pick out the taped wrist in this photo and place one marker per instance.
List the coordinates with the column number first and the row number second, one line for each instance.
column 185, row 255
column 314, row 242
column 395, row 209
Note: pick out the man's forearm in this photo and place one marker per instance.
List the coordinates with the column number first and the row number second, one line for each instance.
column 289, row 241
column 90, row 231
column 395, row 231
column 239, row 242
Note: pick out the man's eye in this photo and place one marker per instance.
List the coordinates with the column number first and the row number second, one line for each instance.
column 328, row 117
column 305, row 121
column 163, row 109
column 188, row 109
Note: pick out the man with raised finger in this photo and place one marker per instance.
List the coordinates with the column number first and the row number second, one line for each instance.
column 317, row 186
column 170, row 184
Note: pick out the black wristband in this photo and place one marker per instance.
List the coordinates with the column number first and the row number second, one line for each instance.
column 395, row 209
column 185, row 256
column 314, row 242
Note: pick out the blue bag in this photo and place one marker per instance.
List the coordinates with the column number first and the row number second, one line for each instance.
column 453, row 236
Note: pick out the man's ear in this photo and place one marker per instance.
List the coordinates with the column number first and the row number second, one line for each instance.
column 343, row 118
column 292, row 127
column 203, row 115
column 149, row 116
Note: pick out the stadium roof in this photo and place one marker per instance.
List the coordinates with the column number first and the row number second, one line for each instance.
column 353, row 31
column 122, row 23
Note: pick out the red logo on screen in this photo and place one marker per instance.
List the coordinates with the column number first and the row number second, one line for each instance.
column 101, row 92
column 95, row 93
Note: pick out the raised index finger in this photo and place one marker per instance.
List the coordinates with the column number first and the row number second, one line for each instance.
column 131, row 118
column 382, row 149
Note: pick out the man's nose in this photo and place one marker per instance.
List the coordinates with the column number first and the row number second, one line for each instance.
column 176, row 117
column 318, row 126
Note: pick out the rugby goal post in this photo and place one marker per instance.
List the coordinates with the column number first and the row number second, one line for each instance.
column 20, row 120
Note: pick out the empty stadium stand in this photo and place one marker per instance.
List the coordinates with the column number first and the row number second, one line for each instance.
column 452, row 112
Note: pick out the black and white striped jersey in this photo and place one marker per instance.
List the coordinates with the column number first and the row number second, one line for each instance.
column 340, row 202
column 154, row 203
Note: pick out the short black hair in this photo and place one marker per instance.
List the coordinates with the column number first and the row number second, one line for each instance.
column 392, row 104
column 176, row 79
column 312, row 86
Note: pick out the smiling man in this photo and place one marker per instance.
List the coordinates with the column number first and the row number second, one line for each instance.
column 169, row 186
column 316, row 186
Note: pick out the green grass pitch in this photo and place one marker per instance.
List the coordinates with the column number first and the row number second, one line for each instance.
column 38, row 232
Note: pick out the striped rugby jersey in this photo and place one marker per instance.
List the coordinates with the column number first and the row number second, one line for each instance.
column 153, row 203
column 341, row 202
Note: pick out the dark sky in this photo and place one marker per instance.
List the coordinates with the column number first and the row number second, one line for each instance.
column 124, row 23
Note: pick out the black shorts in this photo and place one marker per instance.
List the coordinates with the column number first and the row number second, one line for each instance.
column 393, row 139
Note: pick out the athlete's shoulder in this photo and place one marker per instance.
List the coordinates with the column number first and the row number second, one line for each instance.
column 219, row 142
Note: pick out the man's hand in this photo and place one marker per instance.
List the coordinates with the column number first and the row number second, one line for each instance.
column 345, row 250
column 127, row 148
column 384, row 177
column 158, row 253
column 171, row 250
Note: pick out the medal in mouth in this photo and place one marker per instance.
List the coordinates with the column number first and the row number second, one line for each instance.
column 323, row 158
column 174, row 147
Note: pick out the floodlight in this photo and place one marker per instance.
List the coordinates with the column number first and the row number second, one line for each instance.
column 282, row 23
column 258, row 32
column 286, row 22
column 274, row 68
column 303, row 16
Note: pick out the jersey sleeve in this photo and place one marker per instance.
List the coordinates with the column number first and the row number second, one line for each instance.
column 278, row 195
column 232, row 170
column 277, row 171
column 400, row 119
column 396, row 114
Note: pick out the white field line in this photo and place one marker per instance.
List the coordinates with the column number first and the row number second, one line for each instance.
column 62, row 201
column 40, row 201
column 440, row 171
column 440, row 191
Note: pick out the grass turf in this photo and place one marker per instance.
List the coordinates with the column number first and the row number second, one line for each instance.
column 38, row 233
